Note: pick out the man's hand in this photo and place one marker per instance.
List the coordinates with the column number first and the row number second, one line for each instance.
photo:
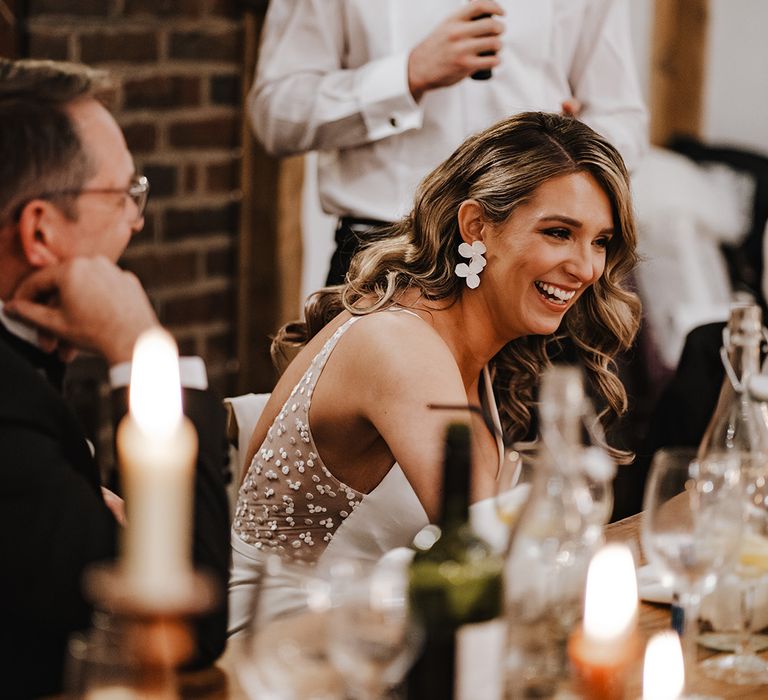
column 451, row 52
column 87, row 303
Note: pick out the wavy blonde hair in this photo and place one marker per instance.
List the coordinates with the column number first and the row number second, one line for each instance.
column 501, row 168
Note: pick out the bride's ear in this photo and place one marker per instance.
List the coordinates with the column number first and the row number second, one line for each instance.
column 472, row 224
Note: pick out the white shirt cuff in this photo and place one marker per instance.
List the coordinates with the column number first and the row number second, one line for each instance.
column 387, row 105
column 191, row 372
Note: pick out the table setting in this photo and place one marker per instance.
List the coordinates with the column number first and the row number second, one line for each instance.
column 527, row 594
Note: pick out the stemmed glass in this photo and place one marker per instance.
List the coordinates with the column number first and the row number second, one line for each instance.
column 371, row 638
column 285, row 651
column 691, row 527
column 744, row 666
column 513, row 485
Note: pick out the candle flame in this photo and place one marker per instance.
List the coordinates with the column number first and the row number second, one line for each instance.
column 610, row 605
column 663, row 670
column 155, row 393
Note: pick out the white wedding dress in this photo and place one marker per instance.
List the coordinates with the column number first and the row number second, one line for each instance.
column 291, row 505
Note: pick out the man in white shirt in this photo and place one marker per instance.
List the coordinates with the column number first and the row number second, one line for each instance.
column 69, row 203
column 380, row 89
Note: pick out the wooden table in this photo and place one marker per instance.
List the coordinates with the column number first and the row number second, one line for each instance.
column 220, row 683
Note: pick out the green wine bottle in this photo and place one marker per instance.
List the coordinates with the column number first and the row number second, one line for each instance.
column 455, row 591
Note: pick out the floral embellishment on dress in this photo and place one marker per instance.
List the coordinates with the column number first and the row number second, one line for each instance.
column 471, row 272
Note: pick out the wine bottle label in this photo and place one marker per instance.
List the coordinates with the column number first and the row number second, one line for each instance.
column 479, row 660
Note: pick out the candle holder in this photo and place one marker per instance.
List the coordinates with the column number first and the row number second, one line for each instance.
column 602, row 673
column 153, row 630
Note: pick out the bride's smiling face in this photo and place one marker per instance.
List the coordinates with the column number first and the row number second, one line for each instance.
column 547, row 253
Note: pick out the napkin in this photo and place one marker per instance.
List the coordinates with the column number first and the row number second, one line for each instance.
column 651, row 586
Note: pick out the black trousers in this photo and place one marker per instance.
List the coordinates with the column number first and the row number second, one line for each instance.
column 351, row 235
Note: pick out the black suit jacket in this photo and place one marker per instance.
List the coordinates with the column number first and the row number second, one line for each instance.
column 54, row 524
column 681, row 415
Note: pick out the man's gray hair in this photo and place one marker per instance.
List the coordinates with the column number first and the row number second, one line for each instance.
column 41, row 149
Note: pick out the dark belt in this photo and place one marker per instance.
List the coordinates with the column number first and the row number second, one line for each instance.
column 352, row 233
column 361, row 226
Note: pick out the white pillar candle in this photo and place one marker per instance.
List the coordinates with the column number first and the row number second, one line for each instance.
column 663, row 670
column 156, row 448
column 610, row 601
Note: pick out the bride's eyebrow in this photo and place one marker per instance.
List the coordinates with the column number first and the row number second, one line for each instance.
column 561, row 218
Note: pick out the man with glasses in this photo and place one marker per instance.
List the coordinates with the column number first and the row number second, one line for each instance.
column 70, row 201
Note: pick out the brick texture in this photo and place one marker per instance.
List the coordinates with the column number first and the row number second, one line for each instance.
column 222, row 177
column 131, row 47
column 165, row 8
column 76, row 8
column 206, row 45
column 214, row 132
column 178, row 69
column 162, row 92
column 141, row 137
column 186, row 223
column 52, row 46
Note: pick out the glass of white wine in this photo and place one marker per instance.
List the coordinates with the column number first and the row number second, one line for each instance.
column 744, row 666
column 691, row 527
column 513, row 485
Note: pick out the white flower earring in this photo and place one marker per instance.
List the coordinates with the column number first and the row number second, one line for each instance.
column 476, row 263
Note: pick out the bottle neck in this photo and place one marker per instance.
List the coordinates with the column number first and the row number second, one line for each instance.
column 745, row 359
column 457, row 463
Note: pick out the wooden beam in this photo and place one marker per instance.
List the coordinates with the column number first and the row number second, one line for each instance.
column 678, row 69
column 269, row 261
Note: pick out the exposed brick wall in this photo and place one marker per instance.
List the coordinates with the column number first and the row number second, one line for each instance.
column 178, row 64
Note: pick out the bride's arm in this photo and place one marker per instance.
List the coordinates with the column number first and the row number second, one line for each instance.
column 400, row 367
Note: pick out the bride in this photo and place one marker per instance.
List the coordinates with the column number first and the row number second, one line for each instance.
column 522, row 236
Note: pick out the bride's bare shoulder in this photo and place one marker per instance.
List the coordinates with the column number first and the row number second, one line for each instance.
column 397, row 343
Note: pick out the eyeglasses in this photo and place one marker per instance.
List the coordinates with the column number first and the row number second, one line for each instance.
column 138, row 191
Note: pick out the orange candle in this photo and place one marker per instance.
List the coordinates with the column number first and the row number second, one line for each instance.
column 605, row 647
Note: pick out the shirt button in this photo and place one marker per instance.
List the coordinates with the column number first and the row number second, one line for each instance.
column 393, row 121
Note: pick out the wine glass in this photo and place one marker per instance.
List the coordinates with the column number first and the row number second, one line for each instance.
column 691, row 527
column 744, row 666
column 285, row 651
column 513, row 485
column 371, row 638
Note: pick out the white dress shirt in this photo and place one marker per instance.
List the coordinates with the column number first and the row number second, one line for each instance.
column 333, row 77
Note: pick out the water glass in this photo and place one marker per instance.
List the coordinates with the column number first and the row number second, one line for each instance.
column 372, row 641
column 285, row 655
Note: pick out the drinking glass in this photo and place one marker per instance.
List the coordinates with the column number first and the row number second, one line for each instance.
column 100, row 662
column 285, row 652
column 513, row 485
column 744, row 666
column 371, row 639
column 691, row 527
